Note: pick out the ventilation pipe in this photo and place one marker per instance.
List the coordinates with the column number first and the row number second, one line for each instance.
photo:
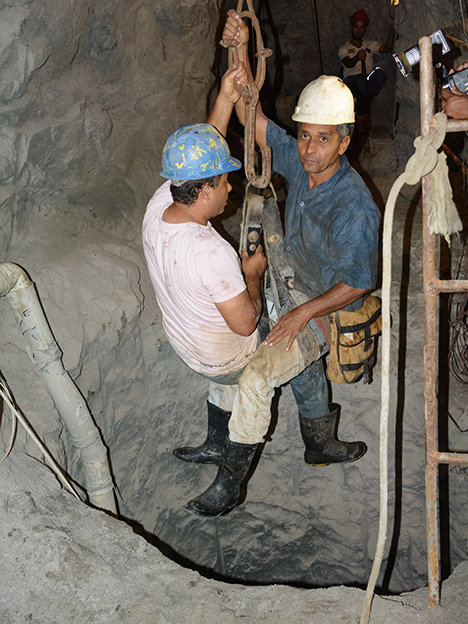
column 46, row 355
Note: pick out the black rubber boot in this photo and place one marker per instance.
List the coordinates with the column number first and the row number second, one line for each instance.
column 224, row 492
column 211, row 449
column 322, row 446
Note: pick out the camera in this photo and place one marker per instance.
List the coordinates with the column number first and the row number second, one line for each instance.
column 458, row 79
column 411, row 57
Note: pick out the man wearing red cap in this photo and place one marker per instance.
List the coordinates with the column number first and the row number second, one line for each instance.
column 364, row 82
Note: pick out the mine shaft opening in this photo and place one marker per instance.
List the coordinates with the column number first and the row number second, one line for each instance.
column 287, row 530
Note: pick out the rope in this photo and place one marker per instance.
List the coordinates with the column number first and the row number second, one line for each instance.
column 386, row 9
column 463, row 17
column 424, row 161
column 16, row 415
column 14, row 425
column 443, row 218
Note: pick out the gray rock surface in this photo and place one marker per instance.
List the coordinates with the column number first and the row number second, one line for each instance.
column 63, row 561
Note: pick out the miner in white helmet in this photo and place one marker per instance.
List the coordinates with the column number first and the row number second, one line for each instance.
column 331, row 237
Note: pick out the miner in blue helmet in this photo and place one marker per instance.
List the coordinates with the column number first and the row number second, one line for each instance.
column 210, row 302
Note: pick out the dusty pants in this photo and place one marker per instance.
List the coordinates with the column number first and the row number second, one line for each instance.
column 269, row 368
column 249, row 400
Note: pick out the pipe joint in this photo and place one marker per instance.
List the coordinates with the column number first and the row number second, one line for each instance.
column 12, row 277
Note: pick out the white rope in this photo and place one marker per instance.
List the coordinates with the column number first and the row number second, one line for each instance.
column 16, row 415
column 14, row 425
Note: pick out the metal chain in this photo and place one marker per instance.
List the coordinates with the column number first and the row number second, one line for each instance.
column 250, row 94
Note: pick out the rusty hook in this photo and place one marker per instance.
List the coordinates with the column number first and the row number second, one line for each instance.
column 250, row 95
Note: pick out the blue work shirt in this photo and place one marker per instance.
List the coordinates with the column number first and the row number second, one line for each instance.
column 332, row 230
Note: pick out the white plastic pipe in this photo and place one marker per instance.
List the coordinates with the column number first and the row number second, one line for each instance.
column 46, row 355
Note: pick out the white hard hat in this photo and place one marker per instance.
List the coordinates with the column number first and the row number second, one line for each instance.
column 325, row 101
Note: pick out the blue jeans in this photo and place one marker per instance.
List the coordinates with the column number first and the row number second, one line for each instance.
column 310, row 389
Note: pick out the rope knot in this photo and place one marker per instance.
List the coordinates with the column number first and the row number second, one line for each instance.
column 424, row 160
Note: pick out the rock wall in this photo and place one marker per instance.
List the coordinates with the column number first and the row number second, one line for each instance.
column 90, row 92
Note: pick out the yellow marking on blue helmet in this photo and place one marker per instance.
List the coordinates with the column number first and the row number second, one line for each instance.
column 198, row 150
column 182, row 164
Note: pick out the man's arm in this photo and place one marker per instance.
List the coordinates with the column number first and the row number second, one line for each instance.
column 242, row 312
column 387, row 47
column 235, row 28
column 227, row 97
column 351, row 62
column 293, row 322
column 455, row 103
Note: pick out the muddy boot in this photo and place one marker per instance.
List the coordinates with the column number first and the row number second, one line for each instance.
column 322, row 446
column 211, row 449
column 224, row 492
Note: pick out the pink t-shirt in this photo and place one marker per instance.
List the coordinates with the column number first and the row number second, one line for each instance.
column 192, row 267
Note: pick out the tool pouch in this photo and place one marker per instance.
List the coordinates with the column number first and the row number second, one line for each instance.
column 353, row 342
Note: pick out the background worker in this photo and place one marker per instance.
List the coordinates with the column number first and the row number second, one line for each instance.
column 331, row 236
column 454, row 102
column 351, row 54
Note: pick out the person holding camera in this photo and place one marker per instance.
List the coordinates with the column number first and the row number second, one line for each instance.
column 455, row 102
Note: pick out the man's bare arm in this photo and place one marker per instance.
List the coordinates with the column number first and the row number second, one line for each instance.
column 227, row 97
column 455, row 103
column 293, row 322
column 351, row 62
column 387, row 47
column 242, row 312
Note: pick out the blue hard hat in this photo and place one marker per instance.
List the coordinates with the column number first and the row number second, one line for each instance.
column 196, row 152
